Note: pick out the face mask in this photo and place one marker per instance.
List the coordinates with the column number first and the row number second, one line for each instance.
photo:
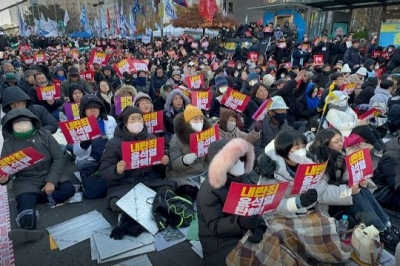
column 298, row 156
column 376, row 67
column 282, row 76
column 223, row 89
column 230, row 126
column 197, row 126
column 342, row 103
column 237, row 169
column 22, row 126
column 252, row 82
column 135, row 127
column 280, row 118
column 239, row 67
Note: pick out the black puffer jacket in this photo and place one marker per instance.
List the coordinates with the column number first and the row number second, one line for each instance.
column 393, row 114
column 367, row 91
column 113, row 80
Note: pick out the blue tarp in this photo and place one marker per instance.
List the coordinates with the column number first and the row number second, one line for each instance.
column 80, row 34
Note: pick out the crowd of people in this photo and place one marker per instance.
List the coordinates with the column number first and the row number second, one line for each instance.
column 313, row 118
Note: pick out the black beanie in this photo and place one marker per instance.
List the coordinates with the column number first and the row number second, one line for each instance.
column 127, row 112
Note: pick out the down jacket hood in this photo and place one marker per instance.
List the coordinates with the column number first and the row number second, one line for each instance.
column 89, row 98
column 18, row 112
column 14, row 94
column 168, row 102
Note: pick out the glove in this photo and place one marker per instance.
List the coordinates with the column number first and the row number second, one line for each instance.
column 308, row 198
column 258, row 126
column 188, row 159
column 249, row 222
column 127, row 226
column 86, row 144
column 257, row 234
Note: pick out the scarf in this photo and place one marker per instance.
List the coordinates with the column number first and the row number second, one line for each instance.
column 141, row 81
column 107, row 97
column 24, row 135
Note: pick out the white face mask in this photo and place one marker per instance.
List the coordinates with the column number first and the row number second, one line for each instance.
column 237, row 169
column 230, row 126
column 376, row 67
column 197, row 126
column 239, row 67
column 298, row 156
column 135, row 127
column 223, row 89
column 22, row 126
column 252, row 82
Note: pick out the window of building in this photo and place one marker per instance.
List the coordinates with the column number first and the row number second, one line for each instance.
column 230, row 7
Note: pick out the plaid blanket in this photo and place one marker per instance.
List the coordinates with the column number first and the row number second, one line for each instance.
column 304, row 240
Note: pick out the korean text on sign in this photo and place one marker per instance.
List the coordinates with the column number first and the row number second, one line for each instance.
column 194, row 82
column 121, row 102
column 80, row 130
column 154, row 122
column 359, row 166
column 48, row 93
column 235, row 100
column 307, row 177
column 72, row 111
column 200, row 141
column 145, row 153
column 247, row 200
column 201, row 99
column 259, row 115
column 19, row 160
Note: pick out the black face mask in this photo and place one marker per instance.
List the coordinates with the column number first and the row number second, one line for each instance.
column 280, row 117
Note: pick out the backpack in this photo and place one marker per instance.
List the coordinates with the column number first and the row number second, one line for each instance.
column 94, row 187
column 171, row 209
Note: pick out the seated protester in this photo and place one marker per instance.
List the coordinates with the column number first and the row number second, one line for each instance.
column 393, row 114
column 52, row 106
column 382, row 93
column 361, row 205
column 158, row 79
column 143, row 85
column 73, row 77
column 307, row 104
column 175, row 78
column 344, row 119
column 106, row 95
column 337, row 81
column 175, row 104
column 219, row 232
column 369, row 65
column 367, row 91
column 346, row 72
column 10, row 80
column 143, row 102
column 217, row 92
column 75, row 94
column 60, row 73
column 14, row 97
column 107, row 74
column 228, row 128
column 358, row 77
column 322, row 78
column 90, row 151
column 121, row 180
column 43, row 182
column 29, row 80
column 387, row 176
column 273, row 123
column 124, row 90
column 251, row 80
column 159, row 102
column 183, row 163
column 259, row 93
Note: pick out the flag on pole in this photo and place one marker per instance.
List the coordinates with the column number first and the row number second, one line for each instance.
column 42, row 17
column 108, row 20
column 132, row 27
column 169, row 10
column 22, row 24
column 158, row 27
column 153, row 5
column 224, row 13
column 84, row 20
column 66, row 18
column 181, row 3
column 117, row 20
column 136, row 8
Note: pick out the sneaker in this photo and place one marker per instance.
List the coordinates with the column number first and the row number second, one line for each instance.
column 388, row 238
column 378, row 153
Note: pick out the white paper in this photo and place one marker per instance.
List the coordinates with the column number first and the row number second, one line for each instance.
column 142, row 260
column 135, row 252
column 196, row 247
column 78, row 175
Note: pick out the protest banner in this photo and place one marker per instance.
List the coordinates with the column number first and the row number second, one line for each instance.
column 75, row 54
column 247, row 200
column 154, row 122
column 144, row 153
column 100, row 58
column 201, row 99
column 123, row 66
column 307, row 176
column 24, row 48
column 235, row 100
column 253, row 57
column 19, row 160
column 359, row 165
column 348, row 88
column 28, row 60
column 259, row 115
column 194, row 82
column 39, row 57
column 138, row 65
column 80, row 130
column 66, row 50
column 318, row 59
column 373, row 112
column 87, row 75
column 121, row 102
column 185, row 90
column 72, row 111
column 57, row 84
column 376, row 54
column 200, row 141
column 50, row 92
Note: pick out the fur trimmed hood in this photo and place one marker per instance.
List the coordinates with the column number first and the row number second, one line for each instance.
column 183, row 129
column 226, row 157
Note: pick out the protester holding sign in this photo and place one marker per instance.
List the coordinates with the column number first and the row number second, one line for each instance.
column 258, row 93
column 230, row 161
column 123, row 91
column 175, row 103
column 218, row 91
column 73, row 77
column 43, row 182
column 107, row 74
column 357, row 201
column 70, row 110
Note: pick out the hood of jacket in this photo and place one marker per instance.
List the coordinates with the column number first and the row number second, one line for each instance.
column 392, row 101
column 125, row 90
column 89, row 98
column 222, row 159
column 13, row 94
column 385, row 92
column 108, row 67
column 168, row 102
column 59, row 68
column 370, row 82
column 184, row 129
column 368, row 62
column 393, row 145
column 17, row 112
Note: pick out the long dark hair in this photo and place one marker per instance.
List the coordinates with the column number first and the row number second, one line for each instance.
column 322, row 153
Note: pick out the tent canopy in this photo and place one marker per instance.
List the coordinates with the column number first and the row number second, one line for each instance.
column 179, row 31
column 80, row 34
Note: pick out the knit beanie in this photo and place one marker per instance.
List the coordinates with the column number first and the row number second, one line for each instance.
column 220, row 81
column 124, row 117
column 252, row 76
column 191, row 112
column 140, row 96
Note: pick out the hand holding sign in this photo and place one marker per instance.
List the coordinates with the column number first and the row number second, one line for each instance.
column 121, row 165
column 4, row 179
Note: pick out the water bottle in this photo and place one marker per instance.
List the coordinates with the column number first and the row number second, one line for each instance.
column 343, row 226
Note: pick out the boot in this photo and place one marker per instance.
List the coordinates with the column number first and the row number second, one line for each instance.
column 126, row 226
column 28, row 232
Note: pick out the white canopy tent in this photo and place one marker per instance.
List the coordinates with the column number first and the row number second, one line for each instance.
column 179, row 31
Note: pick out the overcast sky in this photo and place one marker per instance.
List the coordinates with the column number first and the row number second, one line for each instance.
column 5, row 15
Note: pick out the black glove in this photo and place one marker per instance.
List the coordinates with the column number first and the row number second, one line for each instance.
column 308, row 198
column 257, row 234
column 249, row 222
column 86, row 144
column 117, row 233
column 127, row 226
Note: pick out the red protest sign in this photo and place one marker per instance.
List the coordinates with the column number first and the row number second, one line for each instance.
column 348, row 88
column 57, row 84
column 50, row 92
column 235, row 100
column 138, row 65
column 259, row 115
column 247, row 200
column 307, row 176
column 172, row 54
column 194, row 82
column 123, row 66
column 200, row 141
column 39, row 57
column 100, row 58
column 373, row 112
column 318, row 59
column 66, row 50
column 87, row 75
column 121, row 102
column 185, row 90
column 29, row 60
column 154, row 122
column 376, row 54
column 72, row 111
column 75, row 54
column 80, row 130
column 144, row 153
column 359, row 165
column 231, row 63
column 253, row 56
column 19, row 160
column 201, row 99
